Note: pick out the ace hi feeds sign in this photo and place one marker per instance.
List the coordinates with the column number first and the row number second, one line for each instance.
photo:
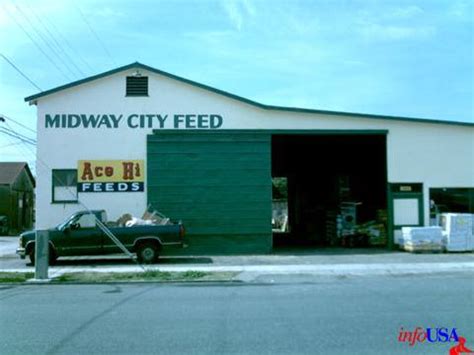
column 111, row 176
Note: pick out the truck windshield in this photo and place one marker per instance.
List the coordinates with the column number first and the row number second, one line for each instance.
column 62, row 225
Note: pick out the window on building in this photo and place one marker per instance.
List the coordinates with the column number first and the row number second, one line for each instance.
column 137, row 86
column 64, row 185
column 454, row 200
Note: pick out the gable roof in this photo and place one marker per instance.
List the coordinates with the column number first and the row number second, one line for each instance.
column 137, row 65
column 9, row 172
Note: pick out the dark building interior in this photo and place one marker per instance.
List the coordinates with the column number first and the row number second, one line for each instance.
column 323, row 172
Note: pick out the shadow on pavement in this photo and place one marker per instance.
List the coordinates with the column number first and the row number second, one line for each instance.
column 300, row 250
column 125, row 261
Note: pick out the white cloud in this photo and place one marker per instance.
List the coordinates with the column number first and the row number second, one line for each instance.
column 461, row 9
column 238, row 11
column 392, row 24
column 375, row 31
column 249, row 7
column 5, row 18
column 234, row 13
column 109, row 12
column 406, row 12
column 302, row 26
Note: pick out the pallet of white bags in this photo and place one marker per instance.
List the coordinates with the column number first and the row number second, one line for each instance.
column 425, row 249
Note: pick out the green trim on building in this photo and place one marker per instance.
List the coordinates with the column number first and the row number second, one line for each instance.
column 279, row 131
column 138, row 65
column 390, row 230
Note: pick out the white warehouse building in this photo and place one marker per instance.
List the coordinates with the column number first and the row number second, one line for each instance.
column 136, row 137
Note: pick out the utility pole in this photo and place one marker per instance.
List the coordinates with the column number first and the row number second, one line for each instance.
column 41, row 255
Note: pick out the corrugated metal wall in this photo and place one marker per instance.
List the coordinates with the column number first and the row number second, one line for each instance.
column 218, row 183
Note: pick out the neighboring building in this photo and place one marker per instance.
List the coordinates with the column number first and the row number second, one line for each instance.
column 17, row 186
column 136, row 136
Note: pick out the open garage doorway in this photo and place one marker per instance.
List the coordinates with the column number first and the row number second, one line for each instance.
column 329, row 190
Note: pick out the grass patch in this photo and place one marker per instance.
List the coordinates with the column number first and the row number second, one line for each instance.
column 149, row 275
column 8, row 277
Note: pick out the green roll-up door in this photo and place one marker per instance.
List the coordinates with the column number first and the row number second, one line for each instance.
column 218, row 183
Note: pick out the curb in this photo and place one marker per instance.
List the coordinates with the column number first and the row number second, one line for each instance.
column 319, row 269
column 51, row 282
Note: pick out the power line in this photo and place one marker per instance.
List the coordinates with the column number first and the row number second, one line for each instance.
column 11, row 131
column 58, row 45
column 18, row 123
column 4, row 131
column 21, row 73
column 25, row 146
column 95, row 35
column 21, row 144
column 11, row 144
column 45, row 40
column 37, row 45
column 19, row 135
column 68, row 44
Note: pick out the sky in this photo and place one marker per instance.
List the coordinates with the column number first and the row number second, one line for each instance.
column 400, row 58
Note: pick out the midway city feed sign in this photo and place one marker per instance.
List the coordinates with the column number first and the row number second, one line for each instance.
column 111, row 176
column 155, row 121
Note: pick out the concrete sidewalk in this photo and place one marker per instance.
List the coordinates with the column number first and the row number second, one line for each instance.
column 331, row 262
column 252, row 271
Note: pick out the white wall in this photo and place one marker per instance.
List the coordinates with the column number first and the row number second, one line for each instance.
column 438, row 155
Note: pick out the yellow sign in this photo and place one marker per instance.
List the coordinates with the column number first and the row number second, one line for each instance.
column 110, row 175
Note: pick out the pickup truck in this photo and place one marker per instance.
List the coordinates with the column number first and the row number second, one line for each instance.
column 80, row 235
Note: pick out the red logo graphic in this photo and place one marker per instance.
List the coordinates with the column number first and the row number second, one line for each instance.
column 460, row 348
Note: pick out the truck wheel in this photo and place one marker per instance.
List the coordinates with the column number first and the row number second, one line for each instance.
column 52, row 256
column 31, row 255
column 147, row 253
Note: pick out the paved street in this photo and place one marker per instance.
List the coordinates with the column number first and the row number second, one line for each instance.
column 325, row 316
